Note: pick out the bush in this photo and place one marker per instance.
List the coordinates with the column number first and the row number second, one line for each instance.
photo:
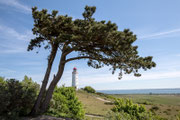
column 154, row 108
column 118, row 116
column 89, row 89
column 65, row 104
column 124, row 109
column 17, row 98
column 145, row 103
column 128, row 107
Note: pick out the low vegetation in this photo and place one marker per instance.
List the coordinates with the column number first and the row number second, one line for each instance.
column 92, row 105
column 167, row 107
column 89, row 89
column 126, row 109
column 65, row 104
column 17, row 98
column 154, row 108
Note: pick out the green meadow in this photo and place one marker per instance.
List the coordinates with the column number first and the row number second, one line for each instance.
column 166, row 106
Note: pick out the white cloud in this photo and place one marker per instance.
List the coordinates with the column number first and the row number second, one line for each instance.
column 16, row 4
column 155, row 76
column 108, row 78
column 13, row 41
column 13, row 50
column 6, row 72
column 10, row 32
column 160, row 34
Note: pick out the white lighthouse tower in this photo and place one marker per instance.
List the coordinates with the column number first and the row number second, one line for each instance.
column 75, row 78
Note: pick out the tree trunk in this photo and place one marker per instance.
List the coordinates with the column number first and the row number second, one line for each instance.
column 36, row 108
column 53, row 84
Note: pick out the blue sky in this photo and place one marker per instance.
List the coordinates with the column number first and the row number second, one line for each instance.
column 156, row 24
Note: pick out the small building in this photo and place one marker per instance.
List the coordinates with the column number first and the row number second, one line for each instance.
column 75, row 78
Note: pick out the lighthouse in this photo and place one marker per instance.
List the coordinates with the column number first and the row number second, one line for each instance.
column 75, row 78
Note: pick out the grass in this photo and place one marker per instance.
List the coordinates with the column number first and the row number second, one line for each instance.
column 93, row 118
column 166, row 106
column 155, row 99
column 92, row 105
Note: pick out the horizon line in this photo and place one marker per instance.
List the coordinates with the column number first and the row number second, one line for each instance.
column 139, row 89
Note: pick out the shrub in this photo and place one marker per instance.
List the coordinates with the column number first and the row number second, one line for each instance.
column 118, row 116
column 17, row 98
column 128, row 107
column 2, row 80
column 89, row 89
column 124, row 109
column 65, row 104
column 30, row 92
column 145, row 103
column 155, row 108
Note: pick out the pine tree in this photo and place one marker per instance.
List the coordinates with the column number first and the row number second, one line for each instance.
column 98, row 41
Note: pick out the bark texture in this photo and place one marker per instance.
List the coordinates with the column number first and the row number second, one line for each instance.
column 53, row 84
column 37, row 105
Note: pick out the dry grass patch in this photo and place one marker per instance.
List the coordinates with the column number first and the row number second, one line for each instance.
column 93, row 105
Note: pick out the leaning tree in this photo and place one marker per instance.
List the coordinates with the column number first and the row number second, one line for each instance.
column 98, row 41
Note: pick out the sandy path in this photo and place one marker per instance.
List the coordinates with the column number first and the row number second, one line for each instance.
column 102, row 99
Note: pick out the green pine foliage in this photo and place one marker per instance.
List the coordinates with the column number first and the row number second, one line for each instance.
column 127, row 110
column 65, row 104
column 89, row 89
column 17, row 98
column 100, row 42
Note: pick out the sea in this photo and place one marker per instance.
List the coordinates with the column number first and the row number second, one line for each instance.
column 142, row 91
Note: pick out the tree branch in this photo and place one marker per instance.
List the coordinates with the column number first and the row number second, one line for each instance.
column 77, row 58
column 86, row 57
column 69, row 51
